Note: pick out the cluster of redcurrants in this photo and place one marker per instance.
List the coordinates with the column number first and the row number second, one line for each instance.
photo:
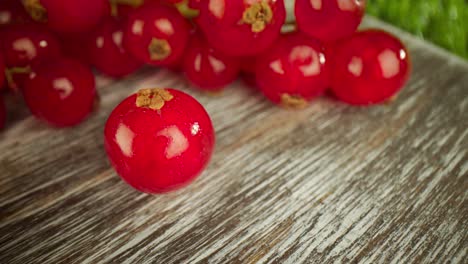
column 48, row 47
column 161, row 139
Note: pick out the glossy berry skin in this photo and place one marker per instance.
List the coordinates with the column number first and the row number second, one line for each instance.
column 69, row 16
column 107, row 52
column 369, row 68
column 159, row 140
column 60, row 92
column 24, row 45
column 294, row 71
column 156, row 34
column 2, row 113
column 241, row 27
column 329, row 20
column 12, row 12
column 208, row 68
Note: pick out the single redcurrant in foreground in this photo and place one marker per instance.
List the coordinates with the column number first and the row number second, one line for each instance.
column 206, row 67
column 159, row 140
column 293, row 71
column 67, row 16
column 156, row 34
column 369, row 67
column 61, row 92
column 329, row 20
column 107, row 52
column 241, row 28
column 12, row 12
column 2, row 113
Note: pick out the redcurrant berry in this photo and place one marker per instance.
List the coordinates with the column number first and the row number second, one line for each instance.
column 293, row 71
column 159, row 140
column 329, row 20
column 156, row 34
column 24, row 45
column 12, row 12
column 2, row 113
column 369, row 67
column 206, row 67
column 240, row 27
column 107, row 52
column 61, row 92
column 68, row 16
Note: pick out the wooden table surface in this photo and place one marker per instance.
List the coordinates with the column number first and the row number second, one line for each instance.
column 330, row 184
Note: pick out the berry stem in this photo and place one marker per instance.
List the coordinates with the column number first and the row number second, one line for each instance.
column 9, row 72
column 186, row 11
column 153, row 98
column 35, row 10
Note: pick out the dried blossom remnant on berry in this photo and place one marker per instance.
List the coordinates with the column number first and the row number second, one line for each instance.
column 258, row 15
column 35, row 10
column 153, row 98
column 159, row 49
column 293, row 101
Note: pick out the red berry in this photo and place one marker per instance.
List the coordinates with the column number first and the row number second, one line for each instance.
column 12, row 12
column 156, row 34
column 24, row 45
column 206, row 67
column 61, row 92
column 68, row 16
column 107, row 52
column 240, row 27
column 293, row 71
column 159, row 140
column 2, row 113
column 329, row 20
column 369, row 67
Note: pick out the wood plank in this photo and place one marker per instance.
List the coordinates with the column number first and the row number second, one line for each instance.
column 330, row 184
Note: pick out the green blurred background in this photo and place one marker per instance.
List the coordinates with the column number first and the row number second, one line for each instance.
column 444, row 22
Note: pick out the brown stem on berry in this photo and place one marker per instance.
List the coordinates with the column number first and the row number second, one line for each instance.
column 258, row 15
column 35, row 10
column 293, row 101
column 153, row 98
column 115, row 3
column 185, row 10
column 133, row 3
column 114, row 8
column 10, row 72
column 159, row 49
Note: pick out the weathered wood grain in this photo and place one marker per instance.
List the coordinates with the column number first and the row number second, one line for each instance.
column 330, row 184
